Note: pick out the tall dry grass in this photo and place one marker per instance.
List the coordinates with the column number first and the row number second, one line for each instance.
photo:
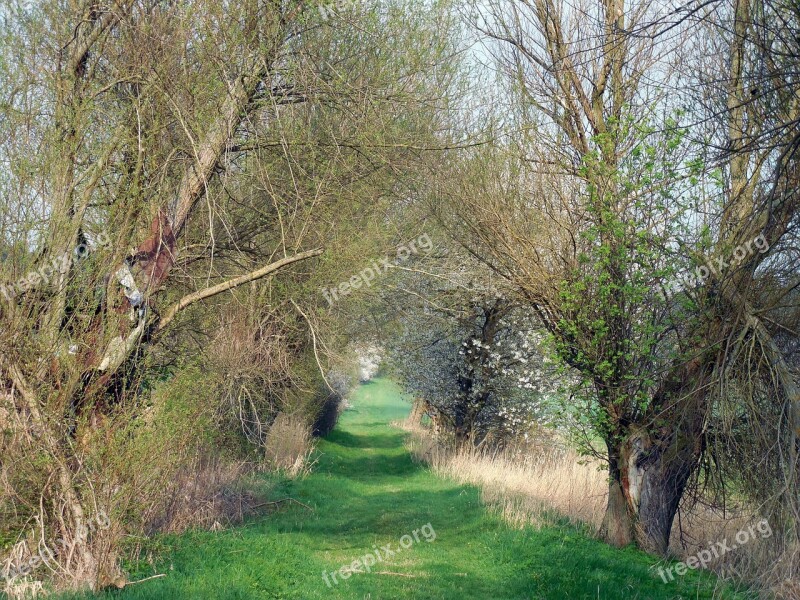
column 529, row 484
column 289, row 445
column 770, row 564
column 544, row 481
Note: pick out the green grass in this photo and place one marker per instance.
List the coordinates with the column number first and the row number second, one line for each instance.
column 366, row 491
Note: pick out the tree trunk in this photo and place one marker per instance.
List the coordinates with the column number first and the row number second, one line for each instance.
column 646, row 484
column 85, row 563
column 655, row 477
column 650, row 466
column 617, row 526
column 463, row 424
column 474, row 394
column 663, row 482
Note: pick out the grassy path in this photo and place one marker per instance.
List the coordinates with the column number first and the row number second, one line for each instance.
column 367, row 493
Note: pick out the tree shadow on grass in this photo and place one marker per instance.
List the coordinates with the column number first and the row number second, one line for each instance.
column 373, row 440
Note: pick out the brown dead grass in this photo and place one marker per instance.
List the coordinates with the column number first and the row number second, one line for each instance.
column 772, row 563
column 289, row 446
column 527, row 487
column 207, row 493
column 22, row 589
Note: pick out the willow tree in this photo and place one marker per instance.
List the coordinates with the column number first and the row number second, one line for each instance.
column 132, row 112
column 595, row 206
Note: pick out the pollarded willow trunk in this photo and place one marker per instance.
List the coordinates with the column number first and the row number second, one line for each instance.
column 617, row 526
column 654, row 480
column 662, row 485
column 650, row 466
column 646, row 484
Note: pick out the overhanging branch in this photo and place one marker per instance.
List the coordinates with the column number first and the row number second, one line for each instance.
column 187, row 301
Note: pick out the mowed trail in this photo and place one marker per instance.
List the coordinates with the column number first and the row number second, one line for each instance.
column 369, row 499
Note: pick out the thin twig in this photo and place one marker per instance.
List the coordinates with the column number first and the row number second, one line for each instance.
column 279, row 501
column 159, row 576
column 314, row 345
